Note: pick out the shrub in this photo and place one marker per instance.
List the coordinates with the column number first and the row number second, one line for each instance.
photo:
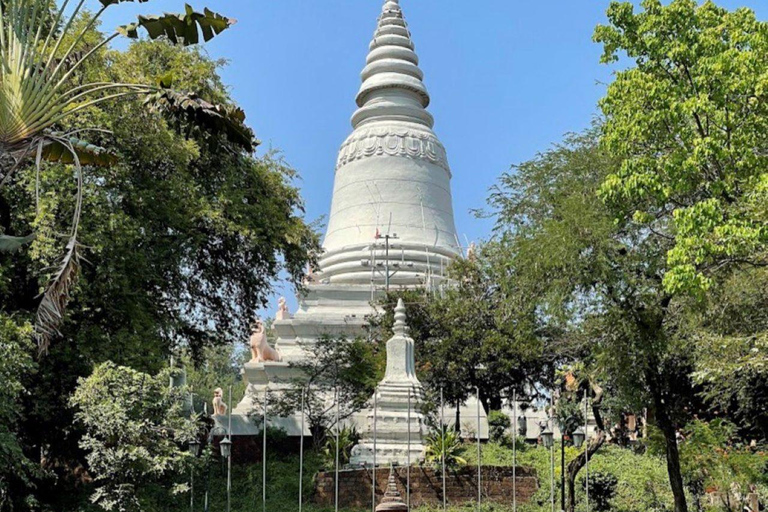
column 348, row 438
column 444, row 442
column 602, row 489
column 498, row 423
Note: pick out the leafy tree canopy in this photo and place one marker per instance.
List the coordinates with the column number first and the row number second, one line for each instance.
column 136, row 432
column 183, row 239
column 689, row 123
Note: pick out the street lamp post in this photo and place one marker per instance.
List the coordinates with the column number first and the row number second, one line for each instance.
column 548, row 440
column 586, row 435
column 562, row 470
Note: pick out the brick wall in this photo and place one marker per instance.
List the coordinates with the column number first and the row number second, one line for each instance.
column 426, row 486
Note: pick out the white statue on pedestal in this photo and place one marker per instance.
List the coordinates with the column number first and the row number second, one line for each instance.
column 219, row 407
column 282, row 310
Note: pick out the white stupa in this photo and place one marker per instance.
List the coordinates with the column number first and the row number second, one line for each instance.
column 391, row 221
column 396, row 428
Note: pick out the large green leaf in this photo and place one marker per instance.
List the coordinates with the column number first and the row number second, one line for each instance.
column 14, row 243
column 107, row 3
column 180, row 28
column 88, row 154
column 190, row 108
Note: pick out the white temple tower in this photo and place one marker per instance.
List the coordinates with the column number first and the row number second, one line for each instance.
column 391, row 220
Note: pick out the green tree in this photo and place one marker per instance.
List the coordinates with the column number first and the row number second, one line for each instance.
column 689, row 122
column 474, row 333
column 713, row 462
column 16, row 470
column 337, row 378
column 136, row 432
column 597, row 277
column 184, row 239
column 731, row 339
column 44, row 48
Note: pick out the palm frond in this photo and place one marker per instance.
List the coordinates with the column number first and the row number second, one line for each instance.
column 50, row 312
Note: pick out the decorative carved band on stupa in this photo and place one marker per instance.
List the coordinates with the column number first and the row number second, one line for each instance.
column 392, row 141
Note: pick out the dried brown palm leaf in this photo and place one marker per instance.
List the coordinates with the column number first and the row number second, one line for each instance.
column 50, row 312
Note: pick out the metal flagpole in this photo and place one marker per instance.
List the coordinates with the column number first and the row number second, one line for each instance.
column 442, row 438
column 408, row 469
column 552, row 451
column 514, row 451
column 479, row 454
column 229, row 459
column 373, row 468
column 586, row 434
column 192, row 466
column 301, row 452
column 208, row 471
column 264, row 457
column 338, row 428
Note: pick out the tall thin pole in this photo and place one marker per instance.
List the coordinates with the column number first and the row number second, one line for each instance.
column 338, row 427
column 443, row 433
column 373, row 468
column 301, row 451
column 479, row 454
column 408, row 468
column 207, row 466
column 264, row 457
column 229, row 459
column 514, row 451
column 586, row 434
column 192, row 467
column 552, row 454
column 386, row 263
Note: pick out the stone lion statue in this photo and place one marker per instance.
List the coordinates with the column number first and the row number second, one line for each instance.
column 261, row 352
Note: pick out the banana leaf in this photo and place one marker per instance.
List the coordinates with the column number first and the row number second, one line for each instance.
column 179, row 28
column 190, row 108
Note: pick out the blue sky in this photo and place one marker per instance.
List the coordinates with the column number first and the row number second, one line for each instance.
column 507, row 78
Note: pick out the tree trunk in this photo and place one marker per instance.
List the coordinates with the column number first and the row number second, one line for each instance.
column 673, row 457
column 457, row 425
column 669, row 430
column 575, row 466
column 318, row 433
column 579, row 462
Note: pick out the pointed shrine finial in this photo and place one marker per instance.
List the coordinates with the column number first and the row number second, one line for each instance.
column 401, row 327
column 392, row 87
column 393, row 500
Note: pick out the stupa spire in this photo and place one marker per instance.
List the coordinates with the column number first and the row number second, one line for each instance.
column 392, row 176
column 401, row 327
column 392, row 86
